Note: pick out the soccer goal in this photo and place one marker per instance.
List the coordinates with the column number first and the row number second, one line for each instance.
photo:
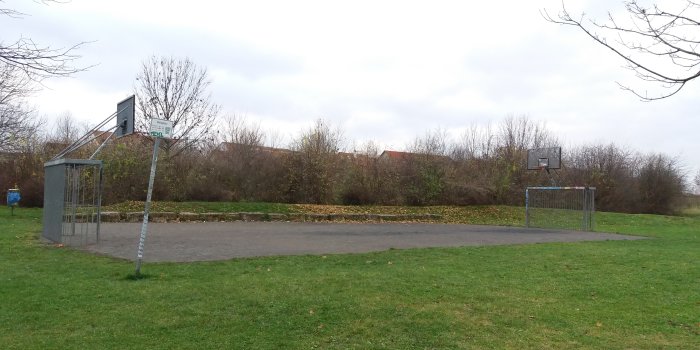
column 72, row 195
column 570, row 208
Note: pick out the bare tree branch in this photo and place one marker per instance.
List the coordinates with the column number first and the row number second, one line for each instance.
column 17, row 122
column 176, row 90
column 22, row 64
column 38, row 62
column 652, row 33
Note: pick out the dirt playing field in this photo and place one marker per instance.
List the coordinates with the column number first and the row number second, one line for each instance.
column 226, row 240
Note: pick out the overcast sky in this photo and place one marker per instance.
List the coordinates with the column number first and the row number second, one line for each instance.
column 380, row 70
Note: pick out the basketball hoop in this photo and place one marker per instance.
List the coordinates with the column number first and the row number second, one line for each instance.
column 545, row 159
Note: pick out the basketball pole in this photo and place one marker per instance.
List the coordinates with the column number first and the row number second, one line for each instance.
column 144, row 225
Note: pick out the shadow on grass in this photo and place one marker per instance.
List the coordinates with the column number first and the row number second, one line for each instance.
column 137, row 277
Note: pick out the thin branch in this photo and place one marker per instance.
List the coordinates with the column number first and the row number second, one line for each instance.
column 662, row 41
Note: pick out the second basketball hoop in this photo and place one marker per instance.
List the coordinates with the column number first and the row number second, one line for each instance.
column 544, row 158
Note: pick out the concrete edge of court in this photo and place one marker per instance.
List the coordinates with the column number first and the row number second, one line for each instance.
column 164, row 217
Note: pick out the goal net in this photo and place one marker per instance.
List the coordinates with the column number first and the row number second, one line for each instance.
column 569, row 208
column 72, row 201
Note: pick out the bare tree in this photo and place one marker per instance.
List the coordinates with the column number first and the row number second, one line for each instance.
column 238, row 130
column 433, row 143
column 660, row 46
column 34, row 61
column 22, row 64
column 611, row 169
column 313, row 166
column 18, row 125
column 176, row 90
column 66, row 129
column 661, row 184
column 697, row 182
column 424, row 173
column 474, row 143
column 17, row 121
column 367, row 179
column 517, row 134
column 245, row 162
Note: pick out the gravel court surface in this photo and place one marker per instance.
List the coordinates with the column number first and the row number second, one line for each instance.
column 182, row 242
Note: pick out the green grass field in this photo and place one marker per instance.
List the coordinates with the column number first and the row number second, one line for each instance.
column 614, row 295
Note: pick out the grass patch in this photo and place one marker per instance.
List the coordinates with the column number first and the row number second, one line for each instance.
column 691, row 211
column 614, row 295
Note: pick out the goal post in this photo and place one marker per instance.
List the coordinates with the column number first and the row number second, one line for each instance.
column 570, row 208
column 72, row 201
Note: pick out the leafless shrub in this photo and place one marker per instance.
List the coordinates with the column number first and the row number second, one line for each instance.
column 313, row 166
column 367, row 179
column 661, row 184
column 249, row 170
column 609, row 168
column 475, row 143
column 508, row 167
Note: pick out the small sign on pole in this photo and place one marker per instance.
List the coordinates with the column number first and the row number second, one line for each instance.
column 160, row 128
column 13, row 197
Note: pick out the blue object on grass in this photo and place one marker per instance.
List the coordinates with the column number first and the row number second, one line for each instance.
column 13, row 197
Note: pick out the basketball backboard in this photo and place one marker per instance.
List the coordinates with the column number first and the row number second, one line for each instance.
column 126, row 111
column 544, row 158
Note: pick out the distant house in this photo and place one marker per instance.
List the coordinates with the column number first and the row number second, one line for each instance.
column 396, row 155
column 99, row 136
column 93, row 140
column 347, row 155
column 53, row 147
column 407, row 156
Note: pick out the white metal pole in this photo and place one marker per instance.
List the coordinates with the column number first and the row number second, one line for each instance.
column 144, row 225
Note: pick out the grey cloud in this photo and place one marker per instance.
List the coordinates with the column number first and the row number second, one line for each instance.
column 118, row 48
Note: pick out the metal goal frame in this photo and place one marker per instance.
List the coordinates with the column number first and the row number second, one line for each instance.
column 72, row 201
column 571, row 208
